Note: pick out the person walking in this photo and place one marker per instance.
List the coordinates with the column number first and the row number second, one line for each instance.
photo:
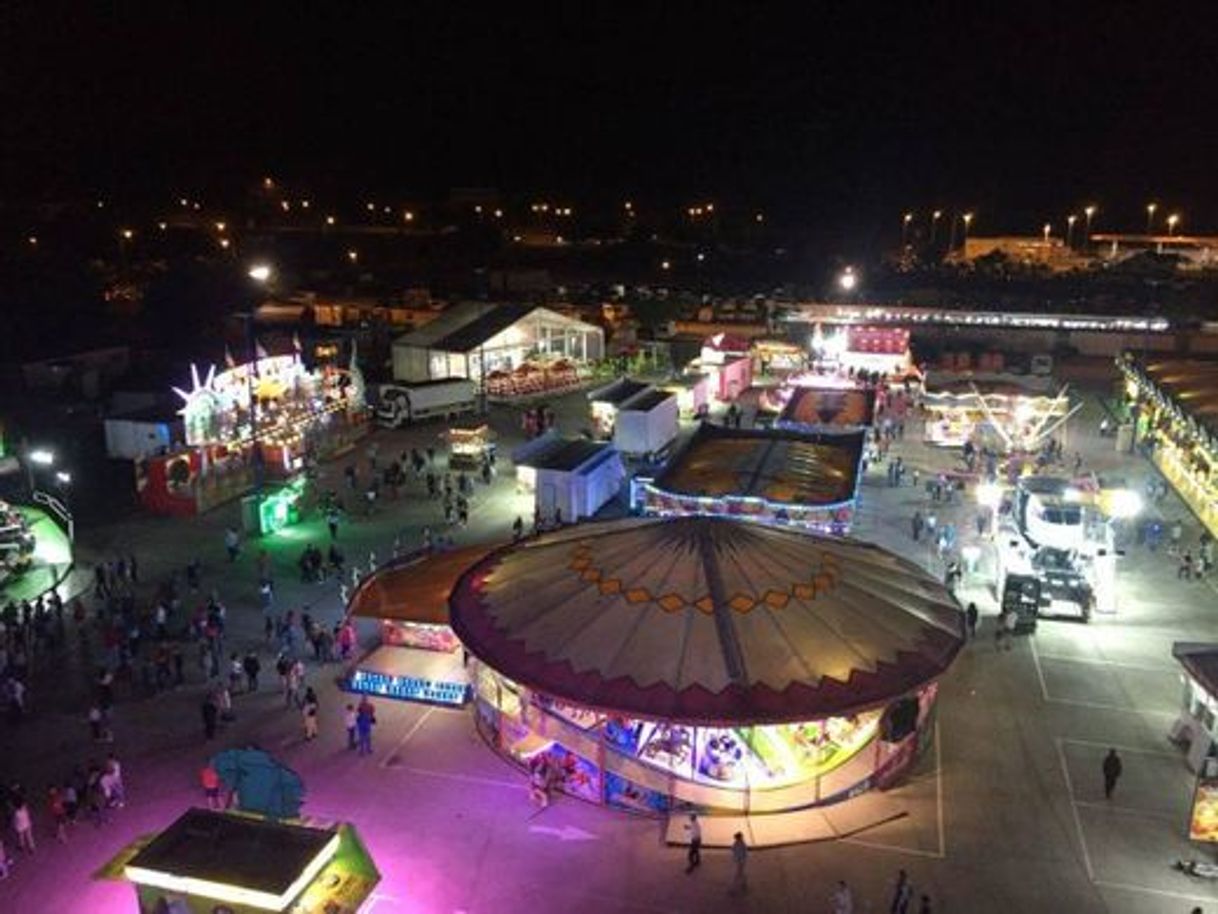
column 1112, row 772
column 59, row 813
column 902, row 894
column 211, row 712
column 295, row 679
column 349, row 720
column 251, row 666
column 308, row 710
column 23, row 825
column 210, row 779
column 114, row 773
column 694, row 857
column 970, row 617
column 365, row 720
column 740, row 859
column 842, row 899
column 232, row 543
column 916, row 525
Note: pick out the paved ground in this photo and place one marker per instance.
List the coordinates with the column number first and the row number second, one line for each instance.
column 1007, row 813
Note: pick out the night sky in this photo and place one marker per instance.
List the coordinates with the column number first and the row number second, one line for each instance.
column 837, row 114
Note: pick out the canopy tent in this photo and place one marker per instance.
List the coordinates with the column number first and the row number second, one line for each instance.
column 705, row 620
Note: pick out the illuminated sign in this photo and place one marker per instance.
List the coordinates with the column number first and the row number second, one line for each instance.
column 408, row 688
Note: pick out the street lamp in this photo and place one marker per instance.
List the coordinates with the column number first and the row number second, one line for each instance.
column 934, row 223
column 1088, row 211
column 353, row 255
column 1172, row 220
column 42, row 458
column 260, row 272
column 968, row 220
column 1150, row 216
column 64, row 479
column 1047, row 230
column 847, row 280
column 1070, row 220
column 905, row 220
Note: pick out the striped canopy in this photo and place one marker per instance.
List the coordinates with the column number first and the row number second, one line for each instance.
column 707, row 620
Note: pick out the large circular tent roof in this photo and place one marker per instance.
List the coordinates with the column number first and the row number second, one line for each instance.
column 707, row 620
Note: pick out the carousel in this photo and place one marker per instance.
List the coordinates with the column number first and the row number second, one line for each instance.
column 703, row 663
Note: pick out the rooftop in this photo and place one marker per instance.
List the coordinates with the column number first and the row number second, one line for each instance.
column 646, row 400
column 1191, row 383
column 617, row 391
column 829, row 406
column 234, row 850
column 783, row 466
column 567, row 454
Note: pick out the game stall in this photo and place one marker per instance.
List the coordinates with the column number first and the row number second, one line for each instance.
column 702, row 664
column 787, row 477
column 419, row 658
column 211, row 862
column 647, row 423
column 270, row 416
column 574, row 476
column 1174, row 406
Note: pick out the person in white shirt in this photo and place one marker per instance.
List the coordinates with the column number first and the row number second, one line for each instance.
column 694, row 858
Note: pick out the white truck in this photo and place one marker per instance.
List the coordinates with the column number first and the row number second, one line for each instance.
column 403, row 404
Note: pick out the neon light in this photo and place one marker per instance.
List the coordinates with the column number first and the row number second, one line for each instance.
column 409, row 688
column 189, row 885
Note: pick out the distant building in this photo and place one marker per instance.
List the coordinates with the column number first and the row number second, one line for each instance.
column 1198, row 251
column 1027, row 250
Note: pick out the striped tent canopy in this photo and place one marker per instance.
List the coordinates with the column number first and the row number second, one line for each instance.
column 707, row 620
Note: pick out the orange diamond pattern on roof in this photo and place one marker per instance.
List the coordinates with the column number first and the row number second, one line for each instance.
column 611, row 585
column 804, row 591
column 591, row 575
column 638, row 595
column 670, row 602
column 705, row 605
column 741, row 603
column 777, row 599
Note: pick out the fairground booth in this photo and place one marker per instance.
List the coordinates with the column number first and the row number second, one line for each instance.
column 852, row 349
column 210, row 862
column 1002, row 415
column 419, row 658
column 1174, row 407
column 726, row 361
column 574, row 476
column 775, row 476
column 276, row 412
column 825, row 408
column 1196, row 727
column 705, row 664
column 603, row 403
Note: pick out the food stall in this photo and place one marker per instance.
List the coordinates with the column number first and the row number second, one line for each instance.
column 608, row 651
column 470, row 448
column 211, row 862
column 777, row 357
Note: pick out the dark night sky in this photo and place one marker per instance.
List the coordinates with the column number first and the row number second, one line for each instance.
column 836, row 113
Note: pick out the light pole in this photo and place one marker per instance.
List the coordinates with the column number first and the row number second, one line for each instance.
column 1048, row 229
column 934, row 224
column 968, row 220
column 1172, row 220
column 905, row 220
column 1070, row 220
column 1089, row 212
column 40, row 457
column 1150, row 216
